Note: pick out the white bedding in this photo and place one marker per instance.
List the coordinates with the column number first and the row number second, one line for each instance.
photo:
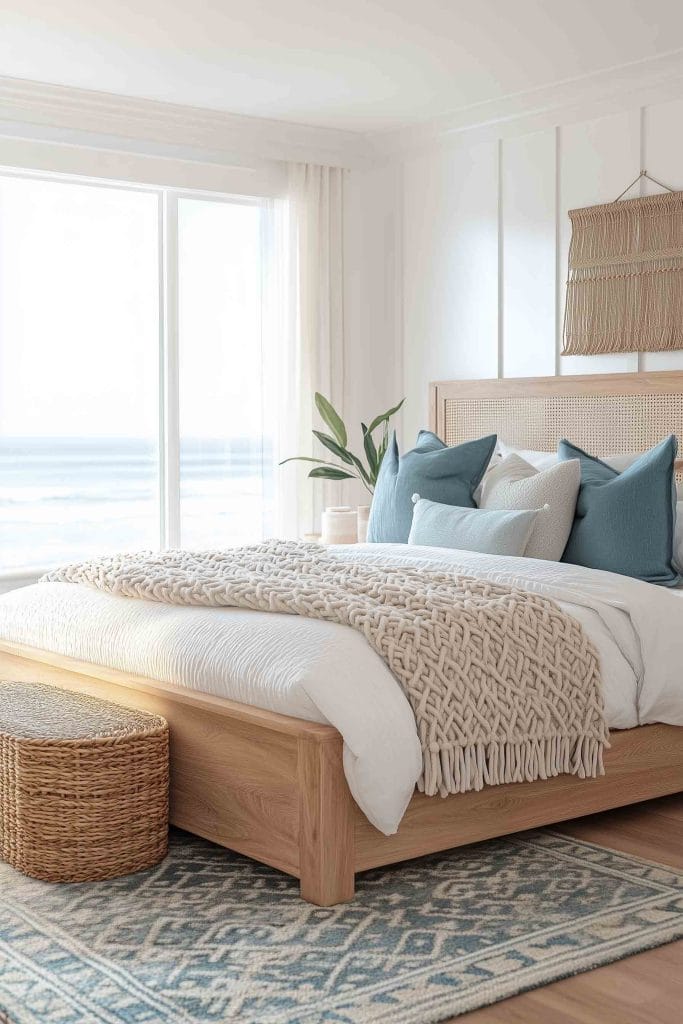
column 328, row 673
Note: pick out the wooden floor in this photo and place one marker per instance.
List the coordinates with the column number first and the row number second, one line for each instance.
column 643, row 989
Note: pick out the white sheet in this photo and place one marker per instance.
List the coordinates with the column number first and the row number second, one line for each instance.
column 328, row 673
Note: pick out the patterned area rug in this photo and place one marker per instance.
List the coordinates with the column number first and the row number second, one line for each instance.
column 209, row 937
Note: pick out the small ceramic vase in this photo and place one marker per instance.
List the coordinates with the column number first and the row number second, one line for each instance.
column 340, row 525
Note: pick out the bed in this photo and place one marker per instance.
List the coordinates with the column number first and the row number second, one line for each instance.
column 278, row 786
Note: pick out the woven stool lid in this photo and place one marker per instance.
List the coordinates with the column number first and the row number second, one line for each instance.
column 41, row 711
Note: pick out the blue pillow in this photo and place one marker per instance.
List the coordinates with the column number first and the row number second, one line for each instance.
column 625, row 522
column 490, row 531
column 433, row 470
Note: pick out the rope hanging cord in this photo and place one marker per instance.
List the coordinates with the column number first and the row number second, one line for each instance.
column 643, row 174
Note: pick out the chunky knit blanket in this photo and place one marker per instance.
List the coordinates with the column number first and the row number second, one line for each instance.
column 505, row 686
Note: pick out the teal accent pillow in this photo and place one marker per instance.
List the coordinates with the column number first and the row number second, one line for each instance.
column 491, row 531
column 625, row 522
column 433, row 470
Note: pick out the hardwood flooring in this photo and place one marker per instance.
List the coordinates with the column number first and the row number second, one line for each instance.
column 643, row 989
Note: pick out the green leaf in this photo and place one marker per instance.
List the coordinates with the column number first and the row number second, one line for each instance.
column 361, row 469
column 305, row 458
column 382, row 450
column 331, row 418
column 348, row 457
column 371, row 453
column 335, row 448
column 385, row 417
column 330, row 473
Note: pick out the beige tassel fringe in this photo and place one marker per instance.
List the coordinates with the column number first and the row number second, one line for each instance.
column 625, row 286
column 458, row 769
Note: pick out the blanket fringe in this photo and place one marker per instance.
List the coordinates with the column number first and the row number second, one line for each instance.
column 458, row 769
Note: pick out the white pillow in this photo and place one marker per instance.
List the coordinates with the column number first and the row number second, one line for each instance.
column 543, row 460
column 539, row 460
column 678, row 538
column 516, row 484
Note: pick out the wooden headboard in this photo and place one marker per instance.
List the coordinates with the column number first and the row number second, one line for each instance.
column 604, row 413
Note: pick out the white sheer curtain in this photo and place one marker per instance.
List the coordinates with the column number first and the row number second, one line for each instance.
column 312, row 359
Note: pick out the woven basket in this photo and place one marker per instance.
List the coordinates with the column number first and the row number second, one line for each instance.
column 83, row 785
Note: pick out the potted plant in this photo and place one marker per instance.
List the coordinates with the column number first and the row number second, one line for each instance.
column 350, row 466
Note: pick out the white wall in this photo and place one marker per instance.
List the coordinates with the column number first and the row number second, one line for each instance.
column 485, row 242
column 372, row 273
column 450, row 272
column 373, row 378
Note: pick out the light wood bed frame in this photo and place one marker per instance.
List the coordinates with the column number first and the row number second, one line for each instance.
column 273, row 787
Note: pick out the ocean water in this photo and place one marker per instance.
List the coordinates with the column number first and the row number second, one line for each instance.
column 64, row 499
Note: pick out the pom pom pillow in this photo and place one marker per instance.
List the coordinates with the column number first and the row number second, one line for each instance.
column 471, row 529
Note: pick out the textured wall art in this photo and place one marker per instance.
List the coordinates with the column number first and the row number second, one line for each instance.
column 625, row 283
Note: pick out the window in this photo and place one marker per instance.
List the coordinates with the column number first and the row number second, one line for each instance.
column 132, row 371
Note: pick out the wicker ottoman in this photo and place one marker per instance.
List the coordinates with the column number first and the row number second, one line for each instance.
column 83, row 785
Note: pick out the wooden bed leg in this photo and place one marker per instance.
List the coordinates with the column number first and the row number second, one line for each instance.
column 326, row 832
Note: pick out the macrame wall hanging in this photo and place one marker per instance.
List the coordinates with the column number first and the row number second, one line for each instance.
column 625, row 284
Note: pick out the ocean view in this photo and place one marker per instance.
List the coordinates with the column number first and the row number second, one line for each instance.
column 64, row 499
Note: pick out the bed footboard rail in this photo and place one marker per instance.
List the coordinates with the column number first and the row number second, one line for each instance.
column 257, row 782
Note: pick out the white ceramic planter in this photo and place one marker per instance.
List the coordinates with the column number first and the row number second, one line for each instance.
column 340, row 525
column 363, row 516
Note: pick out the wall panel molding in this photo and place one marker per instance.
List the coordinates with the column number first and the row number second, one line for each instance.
column 560, row 271
column 501, row 261
column 662, row 154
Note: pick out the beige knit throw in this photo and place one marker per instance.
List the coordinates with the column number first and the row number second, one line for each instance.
column 625, row 285
column 504, row 685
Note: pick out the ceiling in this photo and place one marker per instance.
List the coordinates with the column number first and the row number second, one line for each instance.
column 357, row 65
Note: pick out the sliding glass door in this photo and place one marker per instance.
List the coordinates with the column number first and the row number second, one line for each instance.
column 131, row 371
column 79, row 329
column 226, row 457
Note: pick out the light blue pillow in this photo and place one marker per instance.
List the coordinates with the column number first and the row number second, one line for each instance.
column 432, row 469
column 491, row 531
column 625, row 522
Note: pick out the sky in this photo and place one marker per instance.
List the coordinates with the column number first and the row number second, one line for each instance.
column 79, row 313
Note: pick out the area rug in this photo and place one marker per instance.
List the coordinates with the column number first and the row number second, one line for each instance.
column 209, row 937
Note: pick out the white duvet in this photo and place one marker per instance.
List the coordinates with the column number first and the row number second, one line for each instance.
column 326, row 672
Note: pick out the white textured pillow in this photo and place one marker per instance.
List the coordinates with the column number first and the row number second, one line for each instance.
column 515, row 484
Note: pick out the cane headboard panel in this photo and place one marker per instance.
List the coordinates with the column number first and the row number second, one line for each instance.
column 605, row 414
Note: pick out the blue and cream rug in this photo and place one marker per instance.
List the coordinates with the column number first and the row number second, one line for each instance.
column 209, row 937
